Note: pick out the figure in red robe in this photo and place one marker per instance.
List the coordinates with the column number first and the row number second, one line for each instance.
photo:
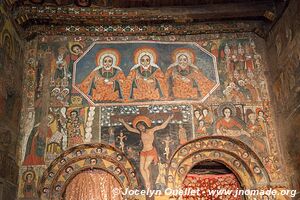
column 228, row 126
column 185, row 80
column 75, row 129
column 36, row 143
column 105, row 82
column 35, row 148
column 146, row 79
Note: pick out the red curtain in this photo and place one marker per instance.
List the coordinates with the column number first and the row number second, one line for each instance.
column 93, row 185
column 210, row 182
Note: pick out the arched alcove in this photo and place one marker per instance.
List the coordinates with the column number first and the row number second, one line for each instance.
column 209, row 176
column 80, row 159
column 232, row 153
column 93, row 184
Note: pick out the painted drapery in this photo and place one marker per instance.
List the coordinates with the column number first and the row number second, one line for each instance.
column 212, row 182
column 93, row 185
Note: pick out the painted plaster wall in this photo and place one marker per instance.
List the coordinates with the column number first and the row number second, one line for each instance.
column 11, row 71
column 55, row 108
column 284, row 54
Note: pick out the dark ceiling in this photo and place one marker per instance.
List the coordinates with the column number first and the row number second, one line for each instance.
column 252, row 15
column 138, row 3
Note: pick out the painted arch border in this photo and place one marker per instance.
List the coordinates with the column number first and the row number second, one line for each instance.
column 233, row 153
column 215, row 66
column 55, row 179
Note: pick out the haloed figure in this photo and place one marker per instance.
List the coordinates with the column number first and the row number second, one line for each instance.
column 228, row 125
column 106, row 81
column 146, row 79
column 142, row 126
column 29, row 185
column 185, row 79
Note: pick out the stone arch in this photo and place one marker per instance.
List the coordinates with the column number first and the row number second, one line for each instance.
column 234, row 154
column 84, row 157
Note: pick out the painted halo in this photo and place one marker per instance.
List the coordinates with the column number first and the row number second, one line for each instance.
column 226, row 105
column 73, row 44
column 249, row 169
column 141, row 118
column 142, row 51
column 7, row 41
column 113, row 53
column 56, row 177
column 189, row 53
column 27, row 172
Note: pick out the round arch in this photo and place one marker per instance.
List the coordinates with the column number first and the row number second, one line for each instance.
column 234, row 154
column 81, row 158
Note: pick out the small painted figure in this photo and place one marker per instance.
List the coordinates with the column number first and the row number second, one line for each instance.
column 111, row 139
column 74, row 129
column 201, row 130
column 121, row 138
column 257, row 134
column 167, row 143
column 60, row 65
column 206, row 116
column 29, row 185
column 75, row 49
column 54, row 137
column 160, row 182
column 182, row 135
column 261, row 119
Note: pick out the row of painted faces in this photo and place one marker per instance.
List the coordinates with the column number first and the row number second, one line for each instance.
column 146, row 80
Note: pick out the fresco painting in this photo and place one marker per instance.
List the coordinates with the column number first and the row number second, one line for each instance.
column 11, row 69
column 56, row 134
column 61, row 69
column 68, row 127
column 148, row 135
column 137, row 72
column 29, row 185
column 104, row 82
column 147, row 104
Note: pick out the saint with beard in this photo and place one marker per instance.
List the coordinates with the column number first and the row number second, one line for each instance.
column 146, row 79
column 105, row 82
column 185, row 79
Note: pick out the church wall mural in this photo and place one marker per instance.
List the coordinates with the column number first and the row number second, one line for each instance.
column 11, row 72
column 94, row 100
column 285, row 73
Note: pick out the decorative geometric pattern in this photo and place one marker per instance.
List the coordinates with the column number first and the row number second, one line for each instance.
column 210, row 182
column 230, row 152
column 85, row 157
